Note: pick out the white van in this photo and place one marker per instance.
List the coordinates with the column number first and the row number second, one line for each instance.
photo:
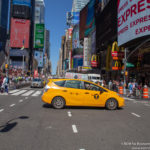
column 94, row 77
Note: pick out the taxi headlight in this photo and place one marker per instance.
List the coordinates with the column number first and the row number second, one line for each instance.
column 46, row 88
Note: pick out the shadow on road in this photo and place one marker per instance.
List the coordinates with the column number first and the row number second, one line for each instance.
column 47, row 105
column 11, row 124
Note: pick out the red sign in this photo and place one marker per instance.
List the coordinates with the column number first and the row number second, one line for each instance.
column 70, row 32
column 117, row 55
column 95, row 61
column 20, row 30
column 36, row 73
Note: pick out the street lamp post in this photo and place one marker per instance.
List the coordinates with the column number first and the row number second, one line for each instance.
column 23, row 65
column 125, row 63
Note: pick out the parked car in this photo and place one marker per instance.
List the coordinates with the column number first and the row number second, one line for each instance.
column 37, row 82
column 75, row 92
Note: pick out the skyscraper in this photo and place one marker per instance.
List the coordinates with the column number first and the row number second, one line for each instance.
column 78, row 5
column 3, row 27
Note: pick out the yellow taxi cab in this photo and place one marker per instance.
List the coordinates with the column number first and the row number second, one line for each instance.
column 75, row 92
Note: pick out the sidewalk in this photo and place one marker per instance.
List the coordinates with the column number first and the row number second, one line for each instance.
column 19, row 85
column 136, row 97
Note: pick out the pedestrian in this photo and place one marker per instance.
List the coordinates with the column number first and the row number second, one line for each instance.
column 130, row 86
column 5, row 84
column 114, row 87
column 110, row 85
column 139, row 90
column 1, row 83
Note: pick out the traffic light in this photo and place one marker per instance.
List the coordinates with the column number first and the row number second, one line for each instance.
column 6, row 66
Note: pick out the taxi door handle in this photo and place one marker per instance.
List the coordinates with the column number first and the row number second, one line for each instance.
column 64, row 90
column 86, row 92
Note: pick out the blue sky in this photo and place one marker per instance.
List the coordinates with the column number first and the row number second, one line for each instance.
column 55, row 20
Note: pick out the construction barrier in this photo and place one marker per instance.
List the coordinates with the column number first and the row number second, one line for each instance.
column 145, row 92
column 121, row 90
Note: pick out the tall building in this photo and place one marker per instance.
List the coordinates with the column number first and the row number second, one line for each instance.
column 4, row 6
column 20, row 36
column 39, row 31
column 39, row 11
column 78, row 5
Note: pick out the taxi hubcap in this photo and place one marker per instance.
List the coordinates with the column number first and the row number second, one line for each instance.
column 58, row 102
column 112, row 104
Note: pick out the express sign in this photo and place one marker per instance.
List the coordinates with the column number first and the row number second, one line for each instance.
column 133, row 20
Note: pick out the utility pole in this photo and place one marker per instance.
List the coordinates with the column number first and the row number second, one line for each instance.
column 23, row 66
column 125, row 63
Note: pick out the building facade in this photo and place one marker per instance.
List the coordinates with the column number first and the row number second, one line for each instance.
column 4, row 6
column 77, row 5
column 39, row 33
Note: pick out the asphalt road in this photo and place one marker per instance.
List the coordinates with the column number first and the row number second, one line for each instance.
column 26, row 123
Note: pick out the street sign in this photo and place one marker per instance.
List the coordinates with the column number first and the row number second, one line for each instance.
column 130, row 65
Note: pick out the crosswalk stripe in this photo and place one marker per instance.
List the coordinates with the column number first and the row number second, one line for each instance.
column 13, row 91
column 20, row 92
column 37, row 93
column 28, row 93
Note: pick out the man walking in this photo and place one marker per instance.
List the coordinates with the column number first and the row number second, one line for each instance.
column 5, row 83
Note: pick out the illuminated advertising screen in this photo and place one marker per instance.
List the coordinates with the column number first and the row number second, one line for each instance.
column 82, row 23
column 19, row 36
column 90, row 20
column 39, row 35
column 77, row 61
column 75, row 18
column 22, row 2
column 38, row 55
column 133, row 20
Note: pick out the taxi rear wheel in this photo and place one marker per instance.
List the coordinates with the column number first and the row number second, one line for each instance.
column 58, row 102
column 111, row 104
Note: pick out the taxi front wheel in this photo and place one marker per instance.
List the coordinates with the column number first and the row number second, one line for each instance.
column 58, row 102
column 111, row 104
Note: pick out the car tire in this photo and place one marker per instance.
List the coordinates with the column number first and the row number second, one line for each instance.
column 111, row 104
column 58, row 102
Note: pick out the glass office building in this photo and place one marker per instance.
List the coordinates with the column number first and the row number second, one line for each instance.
column 78, row 5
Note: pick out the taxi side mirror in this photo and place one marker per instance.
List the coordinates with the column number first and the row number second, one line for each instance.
column 101, row 92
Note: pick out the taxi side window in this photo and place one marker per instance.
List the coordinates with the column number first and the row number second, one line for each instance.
column 92, row 87
column 60, row 83
column 73, row 84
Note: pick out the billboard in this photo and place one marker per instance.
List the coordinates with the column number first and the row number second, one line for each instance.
column 39, row 36
column 133, row 20
column 77, row 62
column 38, row 55
column 22, row 2
column 77, row 49
column 20, row 30
column 90, row 20
column 75, row 18
column 82, row 23
column 86, row 59
column 21, row 11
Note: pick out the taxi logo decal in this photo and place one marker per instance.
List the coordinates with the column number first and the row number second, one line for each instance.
column 96, row 96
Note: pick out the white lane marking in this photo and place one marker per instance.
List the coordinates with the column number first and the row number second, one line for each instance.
column 3, row 93
column 20, row 92
column 37, row 93
column 81, row 149
column 69, row 114
column 147, row 104
column 20, row 101
column 74, row 128
column 13, row 91
column 130, row 99
column 28, row 93
column 1, row 110
column 12, row 105
column 136, row 115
